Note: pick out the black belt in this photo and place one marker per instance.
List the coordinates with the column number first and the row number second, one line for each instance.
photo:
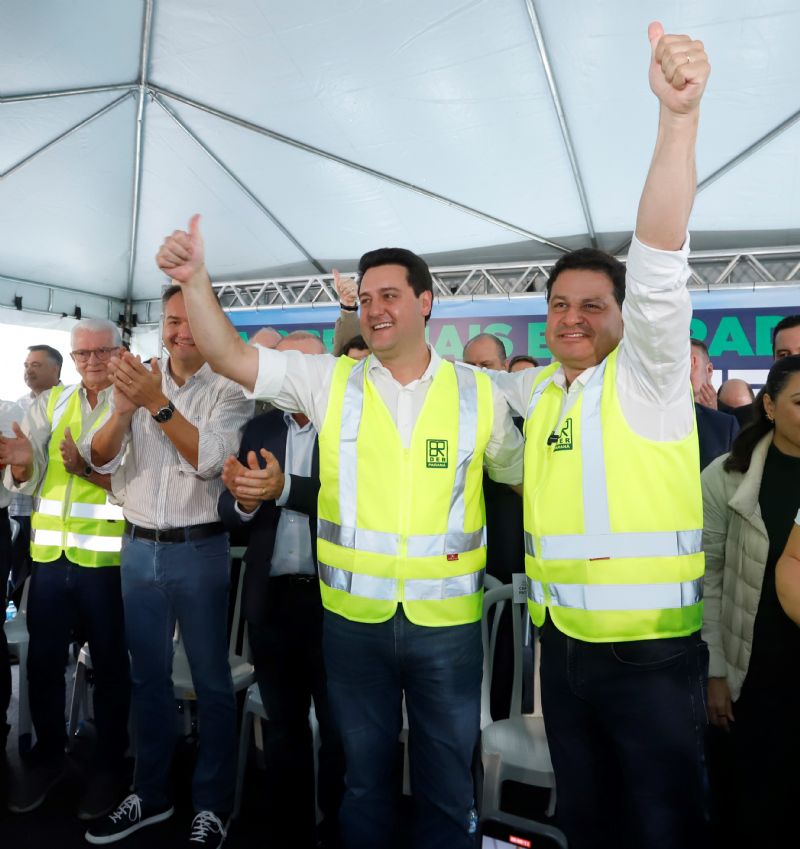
column 295, row 579
column 193, row 532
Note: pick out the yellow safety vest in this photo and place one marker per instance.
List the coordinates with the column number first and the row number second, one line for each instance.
column 404, row 525
column 613, row 521
column 71, row 514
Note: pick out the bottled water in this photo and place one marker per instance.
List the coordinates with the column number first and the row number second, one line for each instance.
column 472, row 821
column 11, row 611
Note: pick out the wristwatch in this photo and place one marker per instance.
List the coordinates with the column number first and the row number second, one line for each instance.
column 165, row 413
column 87, row 470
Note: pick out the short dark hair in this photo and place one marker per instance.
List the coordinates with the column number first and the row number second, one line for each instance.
column 418, row 275
column 698, row 343
column 168, row 293
column 501, row 348
column 52, row 354
column 590, row 259
column 522, row 358
column 356, row 342
column 784, row 324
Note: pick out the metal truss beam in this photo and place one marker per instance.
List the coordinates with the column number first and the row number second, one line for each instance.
column 710, row 271
column 65, row 92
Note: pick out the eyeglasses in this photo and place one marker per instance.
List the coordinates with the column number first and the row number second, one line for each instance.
column 102, row 354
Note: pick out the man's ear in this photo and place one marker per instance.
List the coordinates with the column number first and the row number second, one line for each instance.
column 427, row 302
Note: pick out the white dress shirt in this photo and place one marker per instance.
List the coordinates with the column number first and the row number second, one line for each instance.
column 301, row 383
column 157, row 486
column 654, row 358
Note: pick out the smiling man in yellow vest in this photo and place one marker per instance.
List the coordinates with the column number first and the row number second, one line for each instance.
column 403, row 436
column 613, row 510
column 75, row 584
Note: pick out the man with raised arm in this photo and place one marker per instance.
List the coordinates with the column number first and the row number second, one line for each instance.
column 613, row 509
column 403, row 436
column 164, row 441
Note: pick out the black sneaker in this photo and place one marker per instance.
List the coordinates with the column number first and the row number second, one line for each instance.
column 129, row 816
column 207, row 830
column 30, row 787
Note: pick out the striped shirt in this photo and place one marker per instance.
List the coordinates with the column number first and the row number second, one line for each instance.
column 157, row 487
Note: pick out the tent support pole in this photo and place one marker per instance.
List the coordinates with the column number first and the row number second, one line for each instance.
column 562, row 118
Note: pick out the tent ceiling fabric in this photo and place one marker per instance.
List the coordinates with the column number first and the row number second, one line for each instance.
column 430, row 125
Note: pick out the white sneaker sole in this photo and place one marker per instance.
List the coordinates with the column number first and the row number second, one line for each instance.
column 102, row 839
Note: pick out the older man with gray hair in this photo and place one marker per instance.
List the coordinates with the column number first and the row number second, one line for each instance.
column 75, row 583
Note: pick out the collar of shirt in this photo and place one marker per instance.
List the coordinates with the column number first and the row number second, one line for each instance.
column 202, row 374
column 291, row 423
column 374, row 366
column 577, row 385
column 102, row 395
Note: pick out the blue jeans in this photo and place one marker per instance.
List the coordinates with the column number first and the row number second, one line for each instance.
column 187, row 581
column 625, row 725
column 369, row 667
column 67, row 599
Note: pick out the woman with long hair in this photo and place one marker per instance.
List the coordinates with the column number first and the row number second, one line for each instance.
column 751, row 497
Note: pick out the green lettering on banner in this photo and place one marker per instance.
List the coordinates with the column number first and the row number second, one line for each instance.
column 730, row 337
column 698, row 329
column 537, row 347
column 764, row 327
column 244, row 335
column 327, row 337
column 449, row 343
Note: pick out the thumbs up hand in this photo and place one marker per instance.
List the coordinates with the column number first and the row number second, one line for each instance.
column 679, row 70
column 182, row 253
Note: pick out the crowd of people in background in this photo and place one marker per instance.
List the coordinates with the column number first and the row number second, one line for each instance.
column 373, row 492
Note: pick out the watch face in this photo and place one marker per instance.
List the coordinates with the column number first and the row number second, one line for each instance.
column 165, row 413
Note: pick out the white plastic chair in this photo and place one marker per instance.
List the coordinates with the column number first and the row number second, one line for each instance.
column 513, row 749
column 16, row 631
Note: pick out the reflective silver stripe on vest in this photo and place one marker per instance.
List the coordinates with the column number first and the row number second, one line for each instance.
column 632, row 544
column 86, row 542
column 108, row 512
column 366, row 586
column 79, row 510
column 456, row 540
column 611, row 597
column 467, row 439
column 595, row 490
column 435, row 589
column 537, row 394
column 48, row 507
column 453, row 542
column 61, row 405
column 381, row 542
column 375, row 542
column 385, row 589
column 352, row 408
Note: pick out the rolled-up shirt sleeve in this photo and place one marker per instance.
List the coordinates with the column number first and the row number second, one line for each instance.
column 220, row 434
column 504, row 451
column 85, row 442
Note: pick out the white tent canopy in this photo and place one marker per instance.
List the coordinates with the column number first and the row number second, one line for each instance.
column 309, row 132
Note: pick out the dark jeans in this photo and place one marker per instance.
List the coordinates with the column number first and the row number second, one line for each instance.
column 625, row 724
column 286, row 648
column 187, row 581
column 369, row 668
column 64, row 597
column 5, row 667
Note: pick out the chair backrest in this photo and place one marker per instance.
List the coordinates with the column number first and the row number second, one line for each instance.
column 238, row 633
column 495, row 601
